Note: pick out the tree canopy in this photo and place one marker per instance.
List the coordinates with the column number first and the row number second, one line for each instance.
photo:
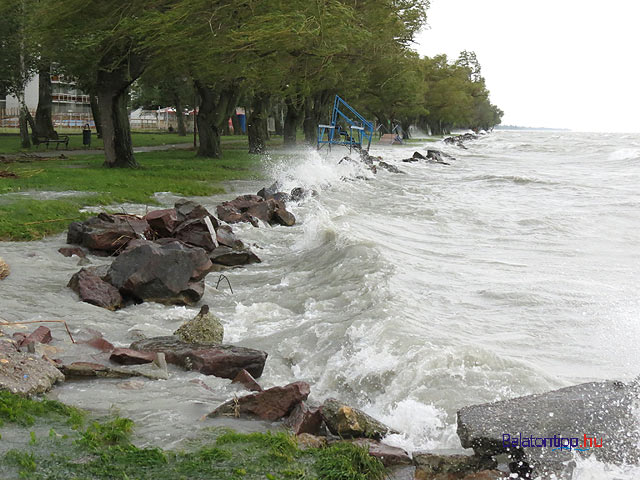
column 266, row 55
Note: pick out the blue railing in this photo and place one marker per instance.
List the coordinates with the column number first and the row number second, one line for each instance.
column 357, row 129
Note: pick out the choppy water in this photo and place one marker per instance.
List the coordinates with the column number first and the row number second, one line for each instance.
column 514, row 270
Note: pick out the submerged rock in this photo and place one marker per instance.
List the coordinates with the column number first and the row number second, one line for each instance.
column 247, row 381
column 600, row 410
column 205, row 328
column 108, row 233
column 26, row 374
column 4, row 269
column 229, row 257
column 436, row 466
column 172, row 274
column 349, row 422
column 224, row 361
column 271, row 404
column 71, row 251
column 387, row 454
column 94, row 290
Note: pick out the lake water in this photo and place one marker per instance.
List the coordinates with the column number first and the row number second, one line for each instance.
column 515, row 270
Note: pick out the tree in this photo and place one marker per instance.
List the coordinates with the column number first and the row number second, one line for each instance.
column 98, row 43
column 17, row 61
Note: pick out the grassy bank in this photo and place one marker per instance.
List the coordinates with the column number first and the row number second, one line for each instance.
column 179, row 172
column 103, row 450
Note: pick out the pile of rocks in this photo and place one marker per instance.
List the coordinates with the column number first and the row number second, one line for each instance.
column 161, row 257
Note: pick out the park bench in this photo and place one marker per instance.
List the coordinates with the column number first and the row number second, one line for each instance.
column 64, row 139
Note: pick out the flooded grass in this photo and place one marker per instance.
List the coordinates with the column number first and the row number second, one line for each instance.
column 179, row 172
column 104, row 451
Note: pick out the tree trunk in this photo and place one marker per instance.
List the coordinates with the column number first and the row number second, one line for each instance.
column 116, row 131
column 295, row 112
column 24, row 127
column 44, row 125
column 257, row 124
column 182, row 129
column 315, row 108
column 278, row 117
column 112, row 88
column 95, row 113
column 215, row 108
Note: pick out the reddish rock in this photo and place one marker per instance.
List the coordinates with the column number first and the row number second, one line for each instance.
column 226, row 237
column 224, row 361
column 92, row 289
column 127, row 356
column 271, row 404
column 19, row 337
column 70, row 251
column 387, row 454
column 433, row 466
column 231, row 258
column 250, row 208
column 163, row 222
column 304, row 419
column 188, row 210
column 110, row 233
column 195, row 233
column 99, row 343
column 40, row 335
column 247, row 381
column 171, row 274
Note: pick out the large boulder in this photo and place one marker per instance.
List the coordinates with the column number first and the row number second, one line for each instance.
column 4, row 269
column 224, row 361
column 92, row 289
column 252, row 208
column 349, row 422
column 227, row 238
column 108, row 233
column 271, row 404
column 528, row 429
column 26, row 374
column 205, row 328
column 172, row 274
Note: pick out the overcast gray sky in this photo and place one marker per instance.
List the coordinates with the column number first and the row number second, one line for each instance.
column 548, row 63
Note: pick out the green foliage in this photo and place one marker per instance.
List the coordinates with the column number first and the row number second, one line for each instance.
column 24, row 411
column 114, row 432
column 346, row 461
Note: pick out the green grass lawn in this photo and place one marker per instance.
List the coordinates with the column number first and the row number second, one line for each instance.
column 10, row 141
column 180, row 172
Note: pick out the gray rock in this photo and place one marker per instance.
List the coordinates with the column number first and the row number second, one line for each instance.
column 26, row 374
column 601, row 410
column 171, row 274
column 205, row 328
column 224, row 361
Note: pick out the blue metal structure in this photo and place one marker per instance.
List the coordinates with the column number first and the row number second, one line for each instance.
column 357, row 131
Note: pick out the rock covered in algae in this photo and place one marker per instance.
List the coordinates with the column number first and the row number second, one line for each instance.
column 205, row 329
column 4, row 269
